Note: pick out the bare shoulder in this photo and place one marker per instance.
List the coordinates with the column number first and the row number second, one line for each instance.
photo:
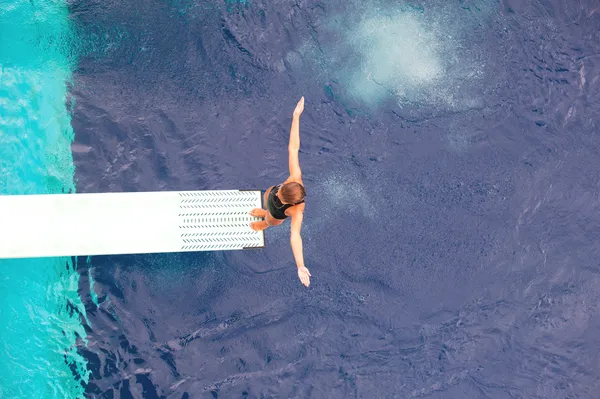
column 295, row 211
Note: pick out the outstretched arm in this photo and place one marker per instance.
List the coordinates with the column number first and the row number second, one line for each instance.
column 294, row 145
column 296, row 242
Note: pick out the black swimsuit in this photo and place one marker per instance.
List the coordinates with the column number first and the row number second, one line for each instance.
column 276, row 208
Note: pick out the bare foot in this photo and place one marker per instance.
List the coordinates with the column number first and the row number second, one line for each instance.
column 257, row 212
column 258, row 226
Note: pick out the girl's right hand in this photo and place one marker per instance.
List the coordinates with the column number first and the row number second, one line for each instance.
column 304, row 275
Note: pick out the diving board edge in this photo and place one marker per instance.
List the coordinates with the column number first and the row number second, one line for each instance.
column 262, row 206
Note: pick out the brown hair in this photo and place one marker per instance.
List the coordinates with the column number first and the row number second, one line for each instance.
column 292, row 193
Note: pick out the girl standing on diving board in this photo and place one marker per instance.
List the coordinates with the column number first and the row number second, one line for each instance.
column 287, row 199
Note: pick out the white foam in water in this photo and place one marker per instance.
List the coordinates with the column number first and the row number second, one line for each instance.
column 398, row 56
column 420, row 57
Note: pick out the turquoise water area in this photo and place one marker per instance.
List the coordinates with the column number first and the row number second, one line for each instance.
column 39, row 323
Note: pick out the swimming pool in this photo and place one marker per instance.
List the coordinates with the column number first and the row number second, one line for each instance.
column 449, row 151
column 40, row 308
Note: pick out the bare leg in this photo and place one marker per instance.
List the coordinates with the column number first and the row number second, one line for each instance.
column 262, row 213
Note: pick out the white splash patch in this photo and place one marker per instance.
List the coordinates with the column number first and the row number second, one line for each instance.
column 424, row 59
column 398, row 56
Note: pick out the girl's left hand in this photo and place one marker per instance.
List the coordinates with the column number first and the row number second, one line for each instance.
column 299, row 107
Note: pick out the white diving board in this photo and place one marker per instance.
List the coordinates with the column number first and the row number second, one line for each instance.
column 49, row 225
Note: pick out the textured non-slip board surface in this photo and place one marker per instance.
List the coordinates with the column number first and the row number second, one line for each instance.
column 127, row 223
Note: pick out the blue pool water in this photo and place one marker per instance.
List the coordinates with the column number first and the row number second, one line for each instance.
column 450, row 155
column 40, row 308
